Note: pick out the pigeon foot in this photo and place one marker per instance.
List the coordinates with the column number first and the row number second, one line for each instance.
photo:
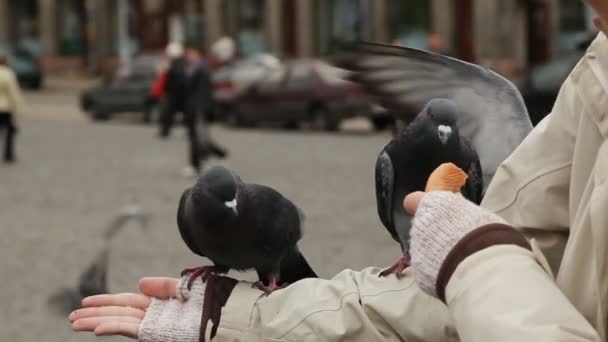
column 397, row 268
column 272, row 286
column 204, row 272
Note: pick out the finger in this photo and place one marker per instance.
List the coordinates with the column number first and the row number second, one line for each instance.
column 106, row 311
column 159, row 287
column 411, row 201
column 118, row 328
column 134, row 300
column 91, row 323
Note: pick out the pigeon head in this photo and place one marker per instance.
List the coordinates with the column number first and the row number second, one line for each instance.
column 217, row 189
column 442, row 113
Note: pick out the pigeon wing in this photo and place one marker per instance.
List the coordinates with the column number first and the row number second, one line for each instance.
column 474, row 187
column 492, row 114
column 385, row 183
column 183, row 223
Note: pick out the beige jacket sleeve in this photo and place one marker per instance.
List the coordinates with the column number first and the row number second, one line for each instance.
column 554, row 187
column 353, row 306
column 498, row 294
column 503, row 294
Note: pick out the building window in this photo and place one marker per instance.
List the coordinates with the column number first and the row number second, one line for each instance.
column 251, row 38
column 342, row 22
column 24, row 15
column 410, row 22
column 244, row 20
column 195, row 23
column 572, row 24
column 125, row 28
column 71, row 29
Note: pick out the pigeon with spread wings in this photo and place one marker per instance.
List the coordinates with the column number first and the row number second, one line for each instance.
column 492, row 114
column 407, row 161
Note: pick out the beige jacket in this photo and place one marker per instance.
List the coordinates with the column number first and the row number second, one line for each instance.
column 554, row 187
column 10, row 94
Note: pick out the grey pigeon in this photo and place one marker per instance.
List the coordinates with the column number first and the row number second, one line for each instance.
column 128, row 213
column 92, row 281
column 406, row 162
column 492, row 114
column 242, row 226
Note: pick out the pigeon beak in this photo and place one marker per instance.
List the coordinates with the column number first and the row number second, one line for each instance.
column 444, row 133
column 232, row 205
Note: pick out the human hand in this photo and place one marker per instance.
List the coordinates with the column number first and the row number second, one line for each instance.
column 121, row 314
column 446, row 229
column 412, row 201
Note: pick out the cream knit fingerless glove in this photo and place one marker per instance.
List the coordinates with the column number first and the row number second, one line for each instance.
column 442, row 219
column 177, row 319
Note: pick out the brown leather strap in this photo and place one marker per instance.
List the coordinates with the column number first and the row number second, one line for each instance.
column 217, row 291
column 475, row 241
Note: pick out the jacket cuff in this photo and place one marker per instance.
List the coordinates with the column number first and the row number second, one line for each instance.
column 475, row 241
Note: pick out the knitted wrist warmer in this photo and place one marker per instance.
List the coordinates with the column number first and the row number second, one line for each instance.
column 177, row 319
column 443, row 218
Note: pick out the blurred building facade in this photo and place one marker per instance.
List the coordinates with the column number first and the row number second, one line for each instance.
column 506, row 34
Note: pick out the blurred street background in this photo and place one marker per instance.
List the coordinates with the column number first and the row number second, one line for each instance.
column 88, row 142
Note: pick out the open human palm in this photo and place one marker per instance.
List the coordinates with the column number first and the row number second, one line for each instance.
column 122, row 313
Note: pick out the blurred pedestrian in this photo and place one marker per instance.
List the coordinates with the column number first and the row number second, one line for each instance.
column 175, row 87
column 199, row 97
column 10, row 101
column 187, row 89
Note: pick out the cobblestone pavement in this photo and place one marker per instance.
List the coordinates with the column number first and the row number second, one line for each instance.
column 73, row 176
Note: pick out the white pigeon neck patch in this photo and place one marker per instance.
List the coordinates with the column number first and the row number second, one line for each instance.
column 444, row 129
column 444, row 133
column 231, row 204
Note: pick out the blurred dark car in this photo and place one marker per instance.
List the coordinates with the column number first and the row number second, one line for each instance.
column 128, row 90
column 299, row 91
column 231, row 80
column 544, row 82
column 26, row 65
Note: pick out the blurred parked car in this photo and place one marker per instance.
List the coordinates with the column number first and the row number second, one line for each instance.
column 26, row 65
column 231, row 80
column 299, row 91
column 127, row 90
column 543, row 82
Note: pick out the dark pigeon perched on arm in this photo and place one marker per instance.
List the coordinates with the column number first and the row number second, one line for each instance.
column 492, row 114
column 406, row 162
column 242, row 226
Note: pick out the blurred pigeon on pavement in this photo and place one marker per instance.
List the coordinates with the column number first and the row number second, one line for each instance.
column 406, row 162
column 94, row 278
column 242, row 226
column 91, row 282
column 492, row 115
column 128, row 213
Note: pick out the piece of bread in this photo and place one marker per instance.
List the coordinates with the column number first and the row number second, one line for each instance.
column 446, row 177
